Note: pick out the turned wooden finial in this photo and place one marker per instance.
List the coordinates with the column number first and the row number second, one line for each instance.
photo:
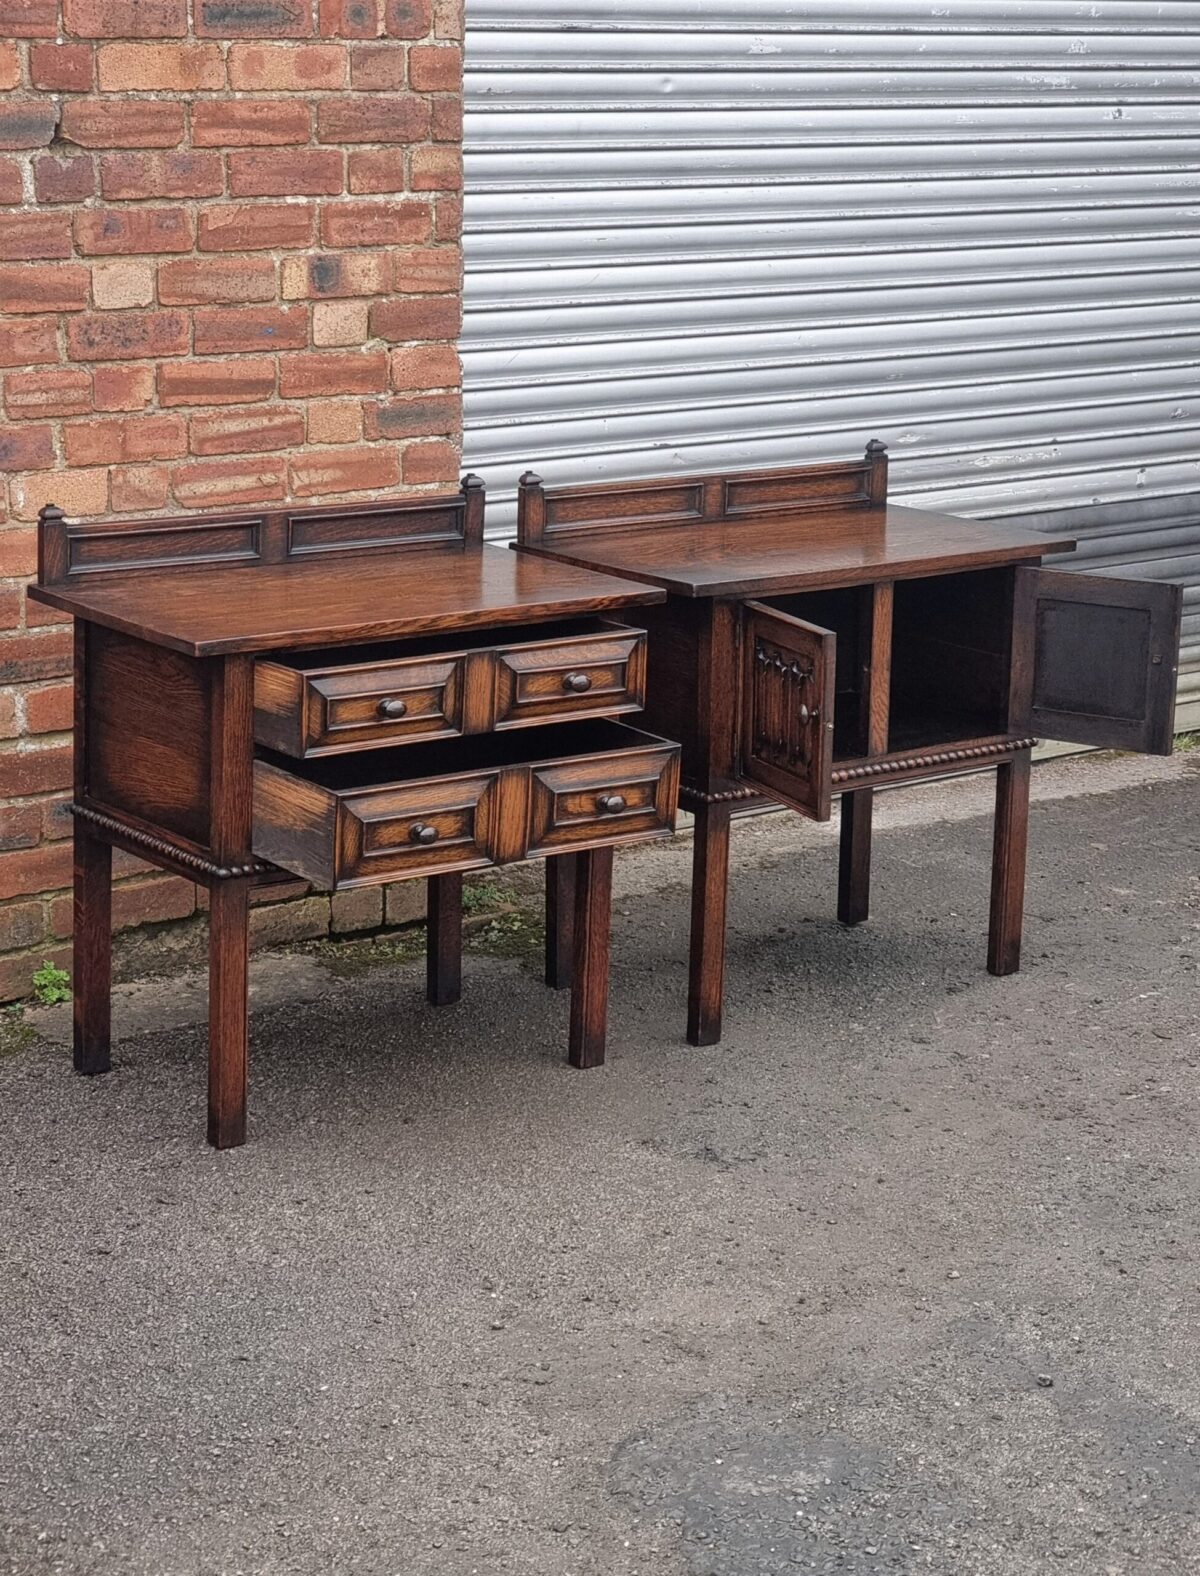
column 52, row 545
column 531, row 509
column 473, row 492
column 877, row 473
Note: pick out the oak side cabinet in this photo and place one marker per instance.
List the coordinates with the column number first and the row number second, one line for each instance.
column 350, row 695
column 818, row 640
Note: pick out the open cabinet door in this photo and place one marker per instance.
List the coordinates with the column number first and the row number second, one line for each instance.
column 1106, row 657
column 786, row 720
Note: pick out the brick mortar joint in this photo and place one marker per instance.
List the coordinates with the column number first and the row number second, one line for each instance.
column 26, row 745
column 222, row 76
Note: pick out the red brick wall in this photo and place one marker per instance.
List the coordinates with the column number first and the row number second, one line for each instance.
column 229, row 274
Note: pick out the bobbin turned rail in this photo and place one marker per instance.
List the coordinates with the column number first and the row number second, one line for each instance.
column 333, row 637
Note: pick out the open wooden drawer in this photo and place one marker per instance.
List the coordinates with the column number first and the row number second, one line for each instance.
column 322, row 702
column 977, row 660
column 351, row 820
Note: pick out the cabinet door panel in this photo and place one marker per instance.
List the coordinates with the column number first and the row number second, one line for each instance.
column 1106, row 657
column 787, row 703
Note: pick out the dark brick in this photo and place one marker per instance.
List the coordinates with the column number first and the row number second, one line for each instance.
column 28, row 123
column 408, row 18
column 127, row 336
column 253, row 19
column 434, row 416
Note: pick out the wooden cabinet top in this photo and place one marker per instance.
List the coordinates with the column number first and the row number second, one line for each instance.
column 753, row 533
column 210, row 585
column 795, row 551
column 209, row 612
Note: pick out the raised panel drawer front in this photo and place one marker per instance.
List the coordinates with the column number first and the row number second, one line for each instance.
column 342, row 831
column 555, row 680
column 787, row 708
column 408, row 700
column 612, row 798
column 352, row 820
column 324, row 703
column 303, row 711
column 443, row 824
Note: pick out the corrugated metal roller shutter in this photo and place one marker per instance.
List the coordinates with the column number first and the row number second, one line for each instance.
column 705, row 234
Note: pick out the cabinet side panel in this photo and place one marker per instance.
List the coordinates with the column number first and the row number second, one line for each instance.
column 295, row 824
column 672, row 681
column 279, row 708
column 148, row 713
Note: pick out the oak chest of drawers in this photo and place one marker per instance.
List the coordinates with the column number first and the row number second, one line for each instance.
column 356, row 695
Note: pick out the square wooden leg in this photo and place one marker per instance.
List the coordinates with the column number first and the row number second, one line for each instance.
column 443, row 939
column 1008, row 865
column 92, row 948
column 854, row 857
column 589, row 985
column 560, row 919
column 710, row 884
column 228, row 1016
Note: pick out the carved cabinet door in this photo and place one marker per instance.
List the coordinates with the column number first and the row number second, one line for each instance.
column 1105, row 657
column 786, row 708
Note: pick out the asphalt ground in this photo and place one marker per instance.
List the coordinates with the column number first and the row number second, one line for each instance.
column 901, row 1277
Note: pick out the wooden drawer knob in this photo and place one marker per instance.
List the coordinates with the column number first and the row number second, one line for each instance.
column 610, row 803
column 422, row 832
column 393, row 708
column 577, row 683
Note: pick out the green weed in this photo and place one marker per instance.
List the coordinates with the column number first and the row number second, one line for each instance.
column 51, row 985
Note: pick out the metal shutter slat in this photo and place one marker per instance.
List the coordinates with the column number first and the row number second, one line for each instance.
column 702, row 235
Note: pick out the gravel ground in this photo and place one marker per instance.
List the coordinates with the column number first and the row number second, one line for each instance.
column 902, row 1277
